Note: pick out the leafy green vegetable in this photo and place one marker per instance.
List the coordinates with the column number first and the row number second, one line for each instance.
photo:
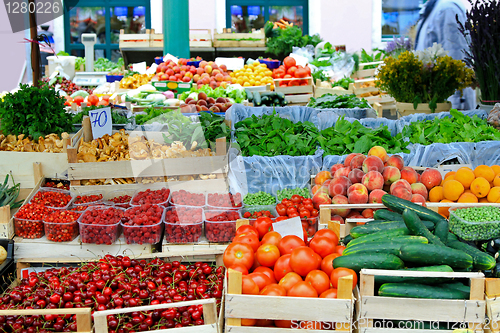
column 187, row 133
column 34, row 111
column 270, row 135
column 458, row 128
column 214, row 127
column 365, row 57
column 329, row 101
column 320, row 75
column 344, row 82
column 288, row 193
column 345, row 138
column 106, row 65
column 162, row 116
column 238, row 95
column 282, row 44
column 115, row 116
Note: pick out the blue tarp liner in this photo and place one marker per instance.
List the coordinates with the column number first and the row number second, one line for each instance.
column 356, row 113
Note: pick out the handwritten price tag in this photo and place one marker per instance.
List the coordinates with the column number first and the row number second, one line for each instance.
column 291, row 226
column 101, row 122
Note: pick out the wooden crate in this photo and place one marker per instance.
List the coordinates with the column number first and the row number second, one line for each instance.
column 363, row 73
column 209, row 316
column 134, row 40
column 200, row 38
column 83, row 316
column 470, row 312
column 492, row 294
column 320, row 91
column 405, row 109
column 155, row 40
column 230, row 39
column 299, row 95
column 326, row 310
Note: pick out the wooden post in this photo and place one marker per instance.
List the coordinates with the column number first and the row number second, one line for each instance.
column 35, row 48
column 241, row 222
column 344, row 291
column 477, row 294
column 367, row 288
column 37, row 171
column 220, row 150
column 5, row 214
column 87, row 129
column 234, row 286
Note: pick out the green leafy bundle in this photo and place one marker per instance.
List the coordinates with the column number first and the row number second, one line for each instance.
column 271, row 135
column 187, row 133
column 329, row 101
column 34, row 111
column 458, row 128
column 214, row 127
column 282, row 44
column 343, row 82
column 162, row 116
column 345, row 138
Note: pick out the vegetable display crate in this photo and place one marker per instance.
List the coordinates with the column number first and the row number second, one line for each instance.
column 134, row 40
column 320, row 91
column 405, row 109
column 83, row 316
column 8, row 267
column 296, row 94
column 230, row 39
column 211, row 319
column 197, row 38
column 492, row 295
column 469, row 313
column 297, row 309
column 363, row 73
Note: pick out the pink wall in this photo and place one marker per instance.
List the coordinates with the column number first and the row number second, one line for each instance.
column 202, row 14
column 12, row 55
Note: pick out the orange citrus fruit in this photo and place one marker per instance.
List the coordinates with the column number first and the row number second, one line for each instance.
column 496, row 169
column 444, row 210
column 496, row 180
column 436, row 194
column 483, row 200
column 484, row 171
column 450, row 173
column 480, row 187
column 465, row 176
column 468, row 197
column 494, row 194
column 452, row 177
column 452, row 190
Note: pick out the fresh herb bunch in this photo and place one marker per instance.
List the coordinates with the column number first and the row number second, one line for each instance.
column 329, row 101
column 346, row 137
column 343, row 82
column 378, row 55
column 115, row 116
column 423, row 77
column 395, row 47
column 271, row 135
column 162, row 116
column 106, row 65
column 185, row 133
column 458, row 128
column 34, row 111
column 282, row 42
column 8, row 194
column 482, row 31
column 214, row 127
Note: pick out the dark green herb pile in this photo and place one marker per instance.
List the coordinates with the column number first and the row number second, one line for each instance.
column 329, row 101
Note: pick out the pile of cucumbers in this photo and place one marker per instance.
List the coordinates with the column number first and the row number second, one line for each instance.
column 266, row 98
column 412, row 237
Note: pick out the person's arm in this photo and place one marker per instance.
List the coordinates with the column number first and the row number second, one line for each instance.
column 451, row 38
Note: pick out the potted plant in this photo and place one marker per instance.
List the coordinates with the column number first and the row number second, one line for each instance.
column 421, row 81
column 482, row 32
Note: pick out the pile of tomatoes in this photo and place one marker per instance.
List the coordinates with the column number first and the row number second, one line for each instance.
column 302, row 207
column 290, row 70
column 285, row 266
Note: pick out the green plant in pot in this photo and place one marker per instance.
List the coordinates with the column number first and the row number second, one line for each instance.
column 423, row 77
column 482, row 32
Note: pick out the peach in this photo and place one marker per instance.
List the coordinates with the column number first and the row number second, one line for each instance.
column 321, row 177
column 395, row 161
column 418, row 198
column 409, row 174
column 208, row 69
column 391, row 174
column 326, row 183
column 431, row 178
column 338, row 218
column 354, row 214
column 358, row 194
column 349, row 158
column 373, row 163
column 373, row 180
column 419, row 188
column 335, row 167
column 367, row 213
column 357, row 162
column 356, row 175
column 419, row 178
column 379, row 152
column 376, row 196
column 342, row 172
column 399, row 183
column 315, row 188
column 339, row 185
column 321, row 198
column 319, row 188
column 340, row 200
column 402, row 193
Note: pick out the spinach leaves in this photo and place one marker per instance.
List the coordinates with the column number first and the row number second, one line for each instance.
column 329, row 101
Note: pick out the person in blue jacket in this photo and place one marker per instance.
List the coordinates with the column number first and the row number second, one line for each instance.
column 438, row 24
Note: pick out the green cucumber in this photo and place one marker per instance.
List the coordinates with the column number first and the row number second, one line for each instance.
column 415, row 290
column 386, row 234
column 378, row 221
column 457, row 286
column 422, row 280
column 431, row 254
column 451, row 237
column 366, row 229
column 417, row 227
column 257, row 100
column 441, row 231
column 391, row 246
column 385, row 214
column 481, row 260
column 399, row 205
column 347, row 239
column 366, row 260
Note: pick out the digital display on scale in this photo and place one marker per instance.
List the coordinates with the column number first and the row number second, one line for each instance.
column 88, row 39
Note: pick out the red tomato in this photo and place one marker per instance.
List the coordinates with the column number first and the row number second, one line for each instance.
column 330, row 293
column 322, row 245
column 240, row 268
column 248, row 322
column 263, row 225
column 273, row 290
column 289, row 62
column 267, row 255
column 289, row 280
column 264, row 323
column 78, row 100
column 314, row 213
column 309, row 206
column 291, row 210
column 238, row 254
column 339, row 249
column 300, row 72
column 283, row 323
column 327, row 263
column 340, row 272
column 266, row 270
column 249, row 286
column 304, row 213
column 271, row 237
column 248, row 239
column 319, row 280
column 296, row 198
column 93, row 99
column 288, row 243
column 281, row 209
column 246, row 228
column 261, row 279
column 103, row 103
column 302, row 289
column 327, row 233
column 282, row 267
column 303, row 260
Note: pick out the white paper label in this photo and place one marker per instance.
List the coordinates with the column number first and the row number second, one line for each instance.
column 291, row 226
column 140, row 67
column 101, row 122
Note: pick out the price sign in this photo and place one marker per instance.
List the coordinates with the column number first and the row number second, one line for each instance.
column 291, row 226
column 101, row 122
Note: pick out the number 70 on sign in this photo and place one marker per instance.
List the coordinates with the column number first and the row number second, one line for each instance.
column 101, row 122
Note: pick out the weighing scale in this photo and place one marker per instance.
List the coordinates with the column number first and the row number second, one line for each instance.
column 89, row 77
